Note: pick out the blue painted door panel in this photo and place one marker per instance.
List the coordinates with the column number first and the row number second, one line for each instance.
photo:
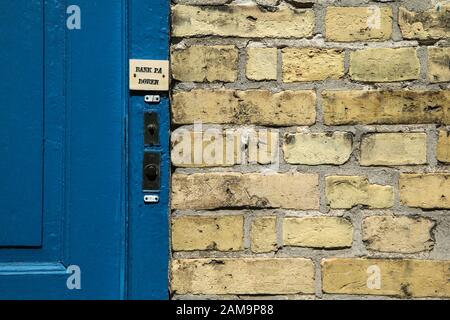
column 21, row 122
column 71, row 151
column 63, row 157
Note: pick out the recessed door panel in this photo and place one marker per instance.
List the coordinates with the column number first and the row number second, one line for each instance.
column 21, row 122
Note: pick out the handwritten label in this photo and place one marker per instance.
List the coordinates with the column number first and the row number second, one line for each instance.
column 149, row 75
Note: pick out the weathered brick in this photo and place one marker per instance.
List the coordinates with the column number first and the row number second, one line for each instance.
column 317, row 232
column 260, row 107
column 212, row 101
column 311, row 64
column 268, row 2
column 243, row 276
column 222, row 233
column 205, row 63
column 303, row 3
column 241, row 21
column 358, row 23
column 443, row 147
column 317, row 148
column 439, row 64
column 209, row 148
column 386, row 107
column 345, row 192
column 394, row 149
column 203, row 2
column 263, row 234
column 398, row 234
column 404, row 278
column 425, row 25
column 428, row 191
column 221, row 189
column 384, row 65
column 262, row 63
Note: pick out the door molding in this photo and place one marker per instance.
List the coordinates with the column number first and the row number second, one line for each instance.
column 95, row 215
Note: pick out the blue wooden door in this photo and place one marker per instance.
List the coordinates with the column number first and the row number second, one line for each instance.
column 64, row 191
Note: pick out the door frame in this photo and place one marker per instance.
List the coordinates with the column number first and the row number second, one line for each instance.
column 148, row 225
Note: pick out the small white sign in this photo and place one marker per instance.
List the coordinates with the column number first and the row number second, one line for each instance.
column 149, row 75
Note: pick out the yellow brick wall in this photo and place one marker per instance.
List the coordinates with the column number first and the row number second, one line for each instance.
column 310, row 149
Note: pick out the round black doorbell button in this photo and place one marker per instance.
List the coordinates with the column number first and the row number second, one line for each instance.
column 151, row 172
